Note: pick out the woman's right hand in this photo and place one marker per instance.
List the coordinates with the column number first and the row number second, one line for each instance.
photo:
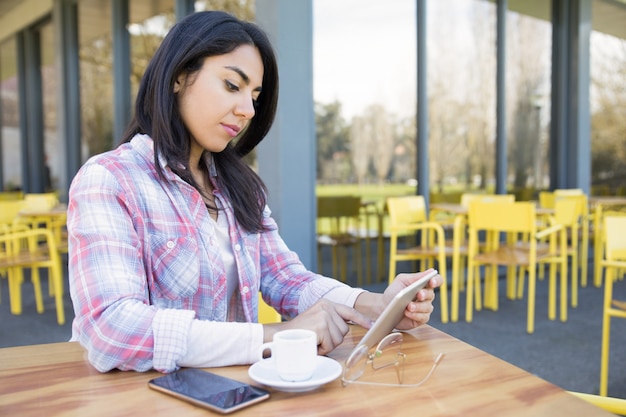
column 327, row 319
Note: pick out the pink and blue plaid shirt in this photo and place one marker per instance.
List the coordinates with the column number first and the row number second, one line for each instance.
column 144, row 263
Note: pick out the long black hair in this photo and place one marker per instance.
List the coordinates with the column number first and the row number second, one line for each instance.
column 182, row 52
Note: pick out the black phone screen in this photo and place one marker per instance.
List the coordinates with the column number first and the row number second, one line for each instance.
column 205, row 388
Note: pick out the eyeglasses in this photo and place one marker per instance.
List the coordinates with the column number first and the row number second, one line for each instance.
column 386, row 354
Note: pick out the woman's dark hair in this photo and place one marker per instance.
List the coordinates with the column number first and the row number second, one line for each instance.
column 182, row 52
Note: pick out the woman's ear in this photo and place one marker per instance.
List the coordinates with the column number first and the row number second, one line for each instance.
column 178, row 84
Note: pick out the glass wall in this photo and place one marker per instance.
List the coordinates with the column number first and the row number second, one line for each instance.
column 9, row 105
column 461, row 95
column 528, row 88
column 608, row 104
column 365, row 91
column 96, row 76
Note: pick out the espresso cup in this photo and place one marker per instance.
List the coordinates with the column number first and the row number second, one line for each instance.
column 293, row 353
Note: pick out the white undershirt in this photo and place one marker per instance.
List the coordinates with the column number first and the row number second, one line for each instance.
column 230, row 268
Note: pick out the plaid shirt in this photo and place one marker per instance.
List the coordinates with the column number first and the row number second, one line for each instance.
column 144, row 263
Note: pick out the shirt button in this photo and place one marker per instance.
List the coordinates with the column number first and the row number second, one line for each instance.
column 170, row 244
column 245, row 290
column 237, row 247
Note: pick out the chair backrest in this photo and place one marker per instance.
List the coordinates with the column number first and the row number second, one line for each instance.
column 567, row 211
column 546, row 199
column 504, row 216
column 467, row 198
column 581, row 201
column 11, row 195
column 40, row 201
column 560, row 192
column 406, row 210
column 267, row 314
column 9, row 210
column 615, row 236
column 338, row 214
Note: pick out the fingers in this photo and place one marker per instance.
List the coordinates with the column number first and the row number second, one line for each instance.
column 329, row 321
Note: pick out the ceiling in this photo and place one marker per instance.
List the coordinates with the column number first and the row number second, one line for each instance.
column 608, row 16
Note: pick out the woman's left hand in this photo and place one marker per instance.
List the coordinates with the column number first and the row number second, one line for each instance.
column 417, row 312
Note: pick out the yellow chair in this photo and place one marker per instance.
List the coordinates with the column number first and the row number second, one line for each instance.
column 407, row 215
column 562, row 192
column 578, row 233
column 614, row 262
column 267, row 314
column 40, row 201
column 11, row 195
column 517, row 220
column 610, row 404
column 338, row 222
column 372, row 216
column 568, row 212
column 546, row 199
column 9, row 210
column 20, row 250
column 598, row 237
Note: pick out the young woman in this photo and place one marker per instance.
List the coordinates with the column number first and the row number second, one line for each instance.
column 170, row 235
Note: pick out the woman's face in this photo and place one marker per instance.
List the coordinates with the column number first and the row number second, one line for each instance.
column 217, row 102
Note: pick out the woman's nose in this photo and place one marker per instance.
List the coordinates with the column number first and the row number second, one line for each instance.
column 245, row 108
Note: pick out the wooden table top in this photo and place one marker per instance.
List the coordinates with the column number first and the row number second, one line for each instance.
column 56, row 380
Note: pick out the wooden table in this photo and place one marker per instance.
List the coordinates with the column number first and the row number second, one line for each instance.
column 57, row 380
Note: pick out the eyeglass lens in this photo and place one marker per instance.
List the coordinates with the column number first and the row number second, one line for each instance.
column 387, row 353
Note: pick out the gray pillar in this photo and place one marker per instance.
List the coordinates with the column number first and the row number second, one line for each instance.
column 423, row 177
column 287, row 155
column 20, row 46
column 570, row 133
column 121, row 68
column 579, row 155
column 34, row 113
column 1, row 130
column 501, row 136
column 69, row 115
column 183, row 7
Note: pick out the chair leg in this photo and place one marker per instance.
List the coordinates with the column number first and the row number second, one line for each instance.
column 606, row 332
column 57, row 279
column 454, row 308
column 443, row 289
column 15, row 278
column 584, row 255
column 469, row 292
column 37, row 289
column 478, row 300
column 530, row 325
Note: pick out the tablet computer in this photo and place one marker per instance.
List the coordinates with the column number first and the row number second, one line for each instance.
column 392, row 314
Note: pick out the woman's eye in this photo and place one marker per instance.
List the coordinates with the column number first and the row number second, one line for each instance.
column 231, row 86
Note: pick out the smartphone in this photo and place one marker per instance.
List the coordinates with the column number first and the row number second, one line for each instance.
column 209, row 390
column 392, row 314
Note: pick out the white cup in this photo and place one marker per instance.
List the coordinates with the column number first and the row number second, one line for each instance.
column 293, row 353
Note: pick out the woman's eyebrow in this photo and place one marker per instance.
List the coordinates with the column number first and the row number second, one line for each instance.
column 239, row 71
column 242, row 74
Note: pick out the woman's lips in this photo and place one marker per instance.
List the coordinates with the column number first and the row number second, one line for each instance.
column 232, row 130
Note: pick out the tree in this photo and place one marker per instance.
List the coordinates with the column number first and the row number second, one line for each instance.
column 608, row 125
column 382, row 141
column 332, row 142
column 530, row 56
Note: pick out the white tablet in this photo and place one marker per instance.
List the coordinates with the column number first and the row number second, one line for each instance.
column 392, row 314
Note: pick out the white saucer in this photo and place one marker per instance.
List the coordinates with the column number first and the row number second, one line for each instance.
column 326, row 370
